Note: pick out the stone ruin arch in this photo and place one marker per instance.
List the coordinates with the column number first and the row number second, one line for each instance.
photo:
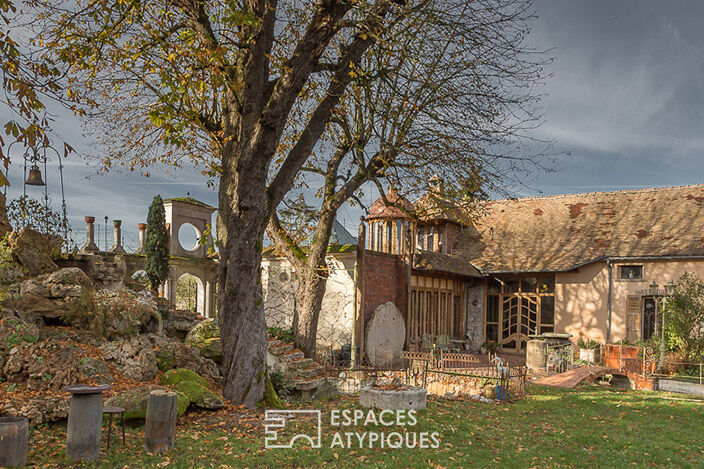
column 196, row 262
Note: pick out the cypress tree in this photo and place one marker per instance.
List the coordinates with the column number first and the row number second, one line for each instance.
column 156, row 244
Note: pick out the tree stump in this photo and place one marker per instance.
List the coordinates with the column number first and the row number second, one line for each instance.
column 13, row 441
column 160, row 426
column 85, row 420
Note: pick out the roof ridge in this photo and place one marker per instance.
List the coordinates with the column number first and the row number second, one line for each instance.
column 597, row 193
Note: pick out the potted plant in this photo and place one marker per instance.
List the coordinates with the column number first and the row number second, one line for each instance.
column 588, row 350
column 490, row 347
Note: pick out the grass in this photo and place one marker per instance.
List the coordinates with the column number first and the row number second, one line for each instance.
column 586, row 427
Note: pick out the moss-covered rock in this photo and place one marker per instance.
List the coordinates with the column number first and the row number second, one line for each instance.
column 199, row 395
column 212, row 349
column 178, row 375
column 199, row 335
column 165, row 357
column 135, row 401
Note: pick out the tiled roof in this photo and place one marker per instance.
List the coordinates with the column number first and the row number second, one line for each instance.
column 432, row 207
column 560, row 232
column 398, row 206
column 438, row 262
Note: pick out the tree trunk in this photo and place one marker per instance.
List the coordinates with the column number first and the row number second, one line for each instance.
column 309, row 299
column 242, row 216
column 311, row 289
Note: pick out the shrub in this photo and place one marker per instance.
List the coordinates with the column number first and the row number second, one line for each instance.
column 684, row 317
column 286, row 335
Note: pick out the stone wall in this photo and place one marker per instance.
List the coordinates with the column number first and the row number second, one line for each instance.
column 279, row 283
column 439, row 384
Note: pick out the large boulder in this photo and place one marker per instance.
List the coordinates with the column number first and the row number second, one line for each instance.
column 135, row 358
column 48, row 365
column 38, row 409
column 385, row 334
column 34, row 251
column 207, row 329
column 206, row 336
column 174, row 354
column 193, row 386
column 199, row 395
column 179, row 375
column 14, row 331
column 113, row 314
column 134, row 401
column 178, row 323
column 212, row 349
column 50, row 295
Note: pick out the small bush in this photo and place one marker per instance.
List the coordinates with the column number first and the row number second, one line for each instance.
column 286, row 335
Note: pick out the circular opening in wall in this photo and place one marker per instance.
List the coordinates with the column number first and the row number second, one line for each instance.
column 188, row 237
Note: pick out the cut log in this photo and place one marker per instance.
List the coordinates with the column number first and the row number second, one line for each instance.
column 85, row 420
column 160, row 425
column 13, row 441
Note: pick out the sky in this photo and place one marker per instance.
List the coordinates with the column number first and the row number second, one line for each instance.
column 624, row 106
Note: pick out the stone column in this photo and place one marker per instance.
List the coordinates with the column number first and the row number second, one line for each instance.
column 117, row 237
column 207, row 307
column 142, row 233
column 90, row 245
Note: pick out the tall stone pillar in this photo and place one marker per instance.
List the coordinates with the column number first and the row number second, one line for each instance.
column 142, row 233
column 90, row 245
column 117, row 237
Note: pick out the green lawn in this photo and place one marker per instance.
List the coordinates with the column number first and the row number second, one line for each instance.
column 586, row 427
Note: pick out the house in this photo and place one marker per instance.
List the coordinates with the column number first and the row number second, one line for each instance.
column 581, row 264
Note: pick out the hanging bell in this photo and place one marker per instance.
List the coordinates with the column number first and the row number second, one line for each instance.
column 35, row 177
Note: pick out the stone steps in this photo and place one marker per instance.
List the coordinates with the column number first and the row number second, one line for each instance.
column 303, row 374
column 300, row 363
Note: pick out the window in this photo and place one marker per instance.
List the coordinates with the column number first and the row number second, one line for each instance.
column 630, row 272
column 421, row 237
column 388, row 237
column 399, row 236
column 379, row 236
column 431, row 242
column 371, row 236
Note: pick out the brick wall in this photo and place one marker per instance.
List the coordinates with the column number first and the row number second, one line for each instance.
column 384, row 280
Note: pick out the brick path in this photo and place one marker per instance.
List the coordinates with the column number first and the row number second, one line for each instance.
column 572, row 378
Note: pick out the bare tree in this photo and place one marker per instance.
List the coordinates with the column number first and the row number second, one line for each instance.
column 456, row 99
column 246, row 88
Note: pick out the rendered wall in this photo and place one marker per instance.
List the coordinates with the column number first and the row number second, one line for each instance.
column 581, row 297
column 279, row 283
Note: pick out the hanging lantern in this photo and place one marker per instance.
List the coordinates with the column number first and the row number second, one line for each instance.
column 35, row 177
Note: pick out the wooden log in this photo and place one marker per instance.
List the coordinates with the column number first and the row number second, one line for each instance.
column 160, row 426
column 14, row 434
column 85, row 420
